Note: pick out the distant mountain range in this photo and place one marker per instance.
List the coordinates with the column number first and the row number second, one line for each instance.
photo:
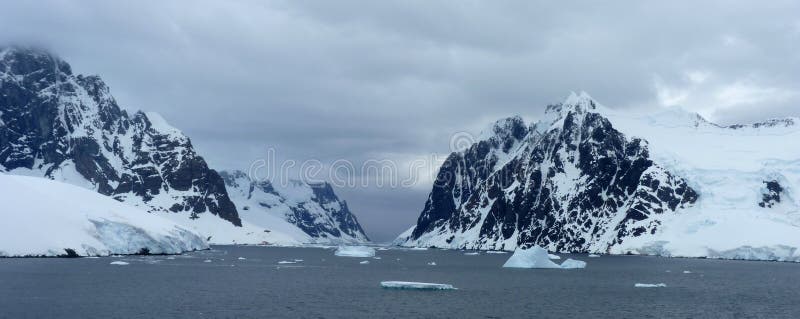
column 68, row 127
column 587, row 178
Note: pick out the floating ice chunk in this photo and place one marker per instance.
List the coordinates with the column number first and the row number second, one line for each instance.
column 355, row 251
column 593, row 256
column 573, row 264
column 415, row 285
column 418, row 248
column 650, row 285
column 496, row 252
column 170, row 258
column 298, row 260
column 687, row 272
column 241, row 258
column 472, row 254
column 383, row 248
column 534, row 257
column 119, row 263
column 207, row 261
column 376, row 257
column 364, row 262
column 433, row 263
column 551, row 256
column 282, row 262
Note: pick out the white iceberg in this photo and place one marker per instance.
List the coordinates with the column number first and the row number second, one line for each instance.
column 418, row 248
column 573, row 264
column 496, row 252
column 364, row 262
column 551, row 256
column 241, row 258
column 283, row 262
column 433, row 263
column 593, row 255
column 355, row 251
column 207, row 261
column 650, row 285
column 687, row 272
column 533, row 257
column 472, row 254
column 415, row 285
column 119, row 263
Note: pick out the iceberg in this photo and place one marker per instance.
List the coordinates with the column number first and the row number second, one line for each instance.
column 355, row 251
column 433, row 263
column 416, row 285
column 366, row 262
column 573, row 264
column 472, row 254
column 119, row 263
column 533, row 257
column 551, row 256
column 593, row 255
column 283, row 262
column 496, row 252
column 650, row 285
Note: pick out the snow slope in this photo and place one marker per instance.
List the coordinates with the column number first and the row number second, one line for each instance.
column 588, row 178
column 43, row 218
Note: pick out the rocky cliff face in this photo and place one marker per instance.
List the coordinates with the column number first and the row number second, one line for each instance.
column 570, row 183
column 68, row 127
column 313, row 209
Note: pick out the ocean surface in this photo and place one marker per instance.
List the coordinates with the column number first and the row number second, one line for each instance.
column 249, row 282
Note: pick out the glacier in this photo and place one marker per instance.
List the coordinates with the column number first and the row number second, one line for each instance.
column 355, row 251
column 45, row 218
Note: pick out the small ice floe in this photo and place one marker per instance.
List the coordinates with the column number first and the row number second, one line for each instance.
column 383, row 248
column 661, row 285
column 415, row 285
column 593, row 255
column 298, row 260
column 91, row 257
column 669, row 270
column 496, row 252
column 418, row 248
column 433, row 263
column 376, row 257
column 355, row 251
column 171, row 258
column 533, row 257
column 472, row 254
column 284, row 262
column 551, row 256
column 207, row 261
column 573, row 264
column 119, row 263
column 366, row 262
column 241, row 258
column 687, row 272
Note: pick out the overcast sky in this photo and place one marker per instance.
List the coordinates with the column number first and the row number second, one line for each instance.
column 359, row 80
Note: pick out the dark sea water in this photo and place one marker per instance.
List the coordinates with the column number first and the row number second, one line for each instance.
column 325, row 286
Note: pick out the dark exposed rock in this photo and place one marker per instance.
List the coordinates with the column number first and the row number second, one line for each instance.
column 69, row 127
column 772, row 194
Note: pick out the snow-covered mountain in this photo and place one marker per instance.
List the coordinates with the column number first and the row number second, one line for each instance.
column 586, row 178
column 48, row 218
column 310, row 212
column 69, row 128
